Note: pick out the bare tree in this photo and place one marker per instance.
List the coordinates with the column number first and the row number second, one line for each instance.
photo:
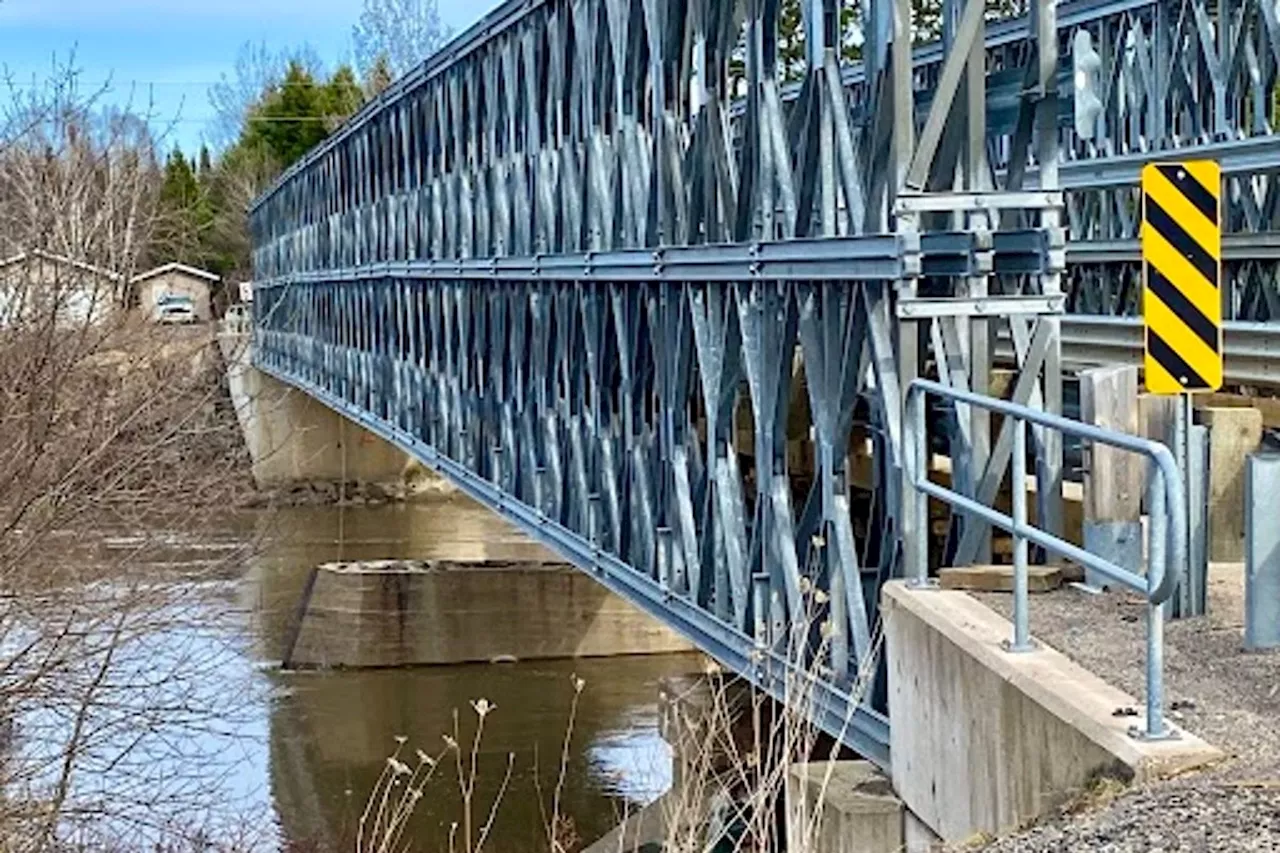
column 398, row 33
column 108, row 424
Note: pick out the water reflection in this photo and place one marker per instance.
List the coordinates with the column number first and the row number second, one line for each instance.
column 330, row 733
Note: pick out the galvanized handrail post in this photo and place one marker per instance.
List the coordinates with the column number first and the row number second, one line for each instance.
column 1157, row 558
column 919, row 564
column 1018, row 487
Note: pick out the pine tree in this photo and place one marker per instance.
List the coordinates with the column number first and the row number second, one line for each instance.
column 343, row 96
column 179, row 188
column 185, row 214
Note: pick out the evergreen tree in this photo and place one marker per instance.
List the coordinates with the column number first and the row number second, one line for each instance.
column 179, row 188
column 290, row 118
column 343, row 96
column 298, row 114
column 185, row 214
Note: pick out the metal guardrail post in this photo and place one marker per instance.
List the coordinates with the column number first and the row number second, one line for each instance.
column 1190, row 599
column 917, row 503
column 1155, row 612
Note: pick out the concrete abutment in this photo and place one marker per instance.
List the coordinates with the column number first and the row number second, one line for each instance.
column 984, row 741
column 295, row 440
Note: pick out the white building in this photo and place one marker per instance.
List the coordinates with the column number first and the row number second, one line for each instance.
column 37, row 284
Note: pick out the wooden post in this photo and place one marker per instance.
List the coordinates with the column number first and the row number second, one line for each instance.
column 1234, row 433
column 1113, row 478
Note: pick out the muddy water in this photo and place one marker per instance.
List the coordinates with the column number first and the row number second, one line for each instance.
column 309, row 745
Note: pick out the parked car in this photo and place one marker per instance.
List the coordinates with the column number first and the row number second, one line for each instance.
column 175, row 309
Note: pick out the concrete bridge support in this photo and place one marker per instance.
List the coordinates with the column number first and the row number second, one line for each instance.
column 294, row 439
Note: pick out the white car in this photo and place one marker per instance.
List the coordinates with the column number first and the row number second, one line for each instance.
column 175, row 309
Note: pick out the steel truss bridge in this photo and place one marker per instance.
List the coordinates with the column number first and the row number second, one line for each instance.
column 603, row 265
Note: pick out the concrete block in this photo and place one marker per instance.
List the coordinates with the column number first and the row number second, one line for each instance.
column 842, row 807
column 1262, row 554
column 406, row 612
column 645, row 828
column 999, row 578
column 983, row 740
column 1234, row 433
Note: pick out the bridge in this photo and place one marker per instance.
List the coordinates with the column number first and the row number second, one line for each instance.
column 596, row 259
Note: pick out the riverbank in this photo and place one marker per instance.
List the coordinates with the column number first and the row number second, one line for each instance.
column 1213, row 688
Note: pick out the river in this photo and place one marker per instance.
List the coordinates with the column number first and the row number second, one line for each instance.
column 289, row 758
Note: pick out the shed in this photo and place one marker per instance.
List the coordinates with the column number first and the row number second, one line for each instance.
column 175, row 280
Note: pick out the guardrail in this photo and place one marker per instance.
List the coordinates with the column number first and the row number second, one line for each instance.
column 1251, row 350
column 1167, row 530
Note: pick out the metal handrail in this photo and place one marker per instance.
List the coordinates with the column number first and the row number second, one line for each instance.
column 1166, row 505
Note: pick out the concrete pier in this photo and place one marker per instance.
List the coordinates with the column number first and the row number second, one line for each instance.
column 411, row 612
column 843, row 807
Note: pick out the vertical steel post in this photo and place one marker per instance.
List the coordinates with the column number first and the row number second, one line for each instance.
column 1262, row 553
column 1018, row 487
column 1156, row 556
column 1044, row 17
column 915, row 502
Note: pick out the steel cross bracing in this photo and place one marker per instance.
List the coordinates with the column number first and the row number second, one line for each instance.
column 1191, row 79
column 663, row 319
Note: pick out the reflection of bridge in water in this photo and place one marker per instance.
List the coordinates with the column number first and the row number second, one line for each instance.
column 662, row 331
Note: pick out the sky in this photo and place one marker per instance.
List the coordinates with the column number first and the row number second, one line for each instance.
column 162, row 56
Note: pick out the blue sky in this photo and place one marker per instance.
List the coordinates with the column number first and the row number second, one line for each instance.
column 166, row 54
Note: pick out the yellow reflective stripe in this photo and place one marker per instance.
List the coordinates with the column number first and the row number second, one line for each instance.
column 1182, row 274
column 1209, row 175
column 1158, row 380
column 1186, row 214
column 1186, row 343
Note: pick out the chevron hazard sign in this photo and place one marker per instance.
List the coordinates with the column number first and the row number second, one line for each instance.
column 1181, row 273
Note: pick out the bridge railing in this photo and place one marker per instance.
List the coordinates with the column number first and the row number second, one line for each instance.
column 1167, row 530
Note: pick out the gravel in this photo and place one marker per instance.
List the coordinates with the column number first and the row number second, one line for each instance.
column 1227, row 696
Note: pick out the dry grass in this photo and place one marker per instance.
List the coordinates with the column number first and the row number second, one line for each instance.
column 733, row 746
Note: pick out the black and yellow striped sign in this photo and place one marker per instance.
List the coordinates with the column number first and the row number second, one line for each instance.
column 1181, row 273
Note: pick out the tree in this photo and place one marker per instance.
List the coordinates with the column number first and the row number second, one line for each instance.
column 343, row 97
column 99, row 424
column 179, row 188
column 400, row 33
column 184, row 215
column 286, row 119
column 378, row 78
column 298, row 113
column 258, row 69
